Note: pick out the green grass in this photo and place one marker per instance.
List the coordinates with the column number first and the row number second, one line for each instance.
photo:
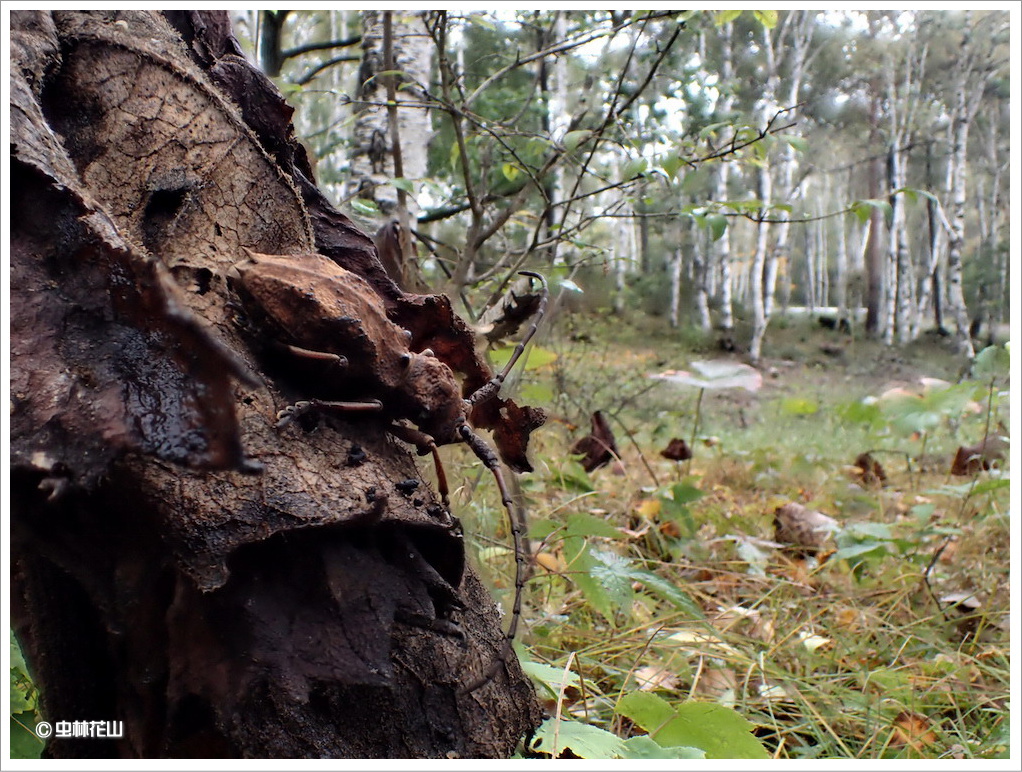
column 847, row 657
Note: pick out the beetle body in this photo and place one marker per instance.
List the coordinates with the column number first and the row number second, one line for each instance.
column 310, row 303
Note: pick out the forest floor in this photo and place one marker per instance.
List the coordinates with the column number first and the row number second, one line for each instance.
column 659, row 585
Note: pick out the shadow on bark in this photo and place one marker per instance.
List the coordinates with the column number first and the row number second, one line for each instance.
column 223, row 588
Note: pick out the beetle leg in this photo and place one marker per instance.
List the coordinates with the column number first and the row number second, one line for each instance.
column 489, row 458
column 424, row 444
column 491, row 388
column 318, row 356
column 298, row 409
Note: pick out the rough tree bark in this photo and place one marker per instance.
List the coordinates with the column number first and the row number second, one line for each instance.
column 223, row 588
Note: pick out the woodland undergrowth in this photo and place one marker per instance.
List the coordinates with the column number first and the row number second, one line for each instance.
column 664, row 619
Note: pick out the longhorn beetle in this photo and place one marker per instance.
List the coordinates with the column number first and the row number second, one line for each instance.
column 321, row 312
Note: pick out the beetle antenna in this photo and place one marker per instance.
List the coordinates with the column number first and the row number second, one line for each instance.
column 485, row 454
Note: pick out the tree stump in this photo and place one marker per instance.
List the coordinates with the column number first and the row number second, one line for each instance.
column 224, row 588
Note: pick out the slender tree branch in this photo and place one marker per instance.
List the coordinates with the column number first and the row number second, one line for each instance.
column 317, row 69
column 321, row 46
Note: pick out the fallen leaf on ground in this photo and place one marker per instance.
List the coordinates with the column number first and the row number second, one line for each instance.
column 911, row 728
column 805, row 530
column 677, row 450
column 652, row 677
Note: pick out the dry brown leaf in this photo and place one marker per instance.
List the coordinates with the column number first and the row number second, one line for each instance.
column 670, row 529
column 598, row 447
column 970, row 460
column 677, row 450
column 717, row 684
column 947, row 555
column 805, row 530
column 911, row 728
column 870, row 472
column 549, row 562
column 653, row 677
column 850, row 619
column 749, row 621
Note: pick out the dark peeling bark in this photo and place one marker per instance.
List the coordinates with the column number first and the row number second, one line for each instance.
column 222, row 587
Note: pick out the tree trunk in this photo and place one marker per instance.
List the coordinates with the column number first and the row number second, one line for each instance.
column 674, row 265
column 223, row 587
column 271, row 34
column 701, row 275
column 391, row 141
column 756, row 285
column 720, row 183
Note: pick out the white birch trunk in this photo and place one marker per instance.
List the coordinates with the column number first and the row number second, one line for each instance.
column 675, row 266
column 756, row 287
column 721, row 174
column 966, row 103
column 841, row 272
column 701, row 271
column 372, row 160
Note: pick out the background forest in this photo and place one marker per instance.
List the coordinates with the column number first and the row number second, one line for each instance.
column 707, row 168
column 769, row 515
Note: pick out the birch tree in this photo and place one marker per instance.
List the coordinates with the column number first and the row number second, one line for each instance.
column 973, row 68
column 376, row 158
column 902, row 105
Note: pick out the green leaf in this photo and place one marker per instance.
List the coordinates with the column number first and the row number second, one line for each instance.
column 24, row 744
column 405, row 184
column 541, row 528
column 365, row 206
column 801, row 144
column 713, row 128
column 667, row 591
column 573, row 477
column 671, row 164
column 865, row 550
column 584, row 740
column 864, row 208
column 767, row 18
column 683, row 493
column 867, row 531
column 646, row 709
column 643, row 747
column 614, row 573
column 920, row 413
column 991, row 362
column 864, row 411
column 720, row 18
column 548, row 676
column 634, row 168
column 580, row 563
column 913, row 194
column 510, row 172
column 23, row 691
column 719, row 731
column 799, row 406
column 754, row 556
column 718, row 224
column 988, row 486
column 584, row 524
column 573, row 139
